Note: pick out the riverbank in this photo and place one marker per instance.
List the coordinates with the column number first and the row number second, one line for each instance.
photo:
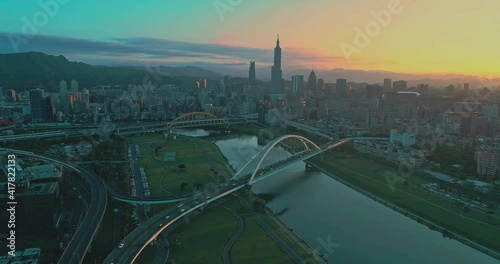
column 432, row 225
column 473, row 228
column 276, row 223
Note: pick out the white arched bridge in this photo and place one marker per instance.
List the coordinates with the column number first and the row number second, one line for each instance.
column 273, row 157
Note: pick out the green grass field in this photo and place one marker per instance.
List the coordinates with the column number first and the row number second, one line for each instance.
column 203, row 239
column 255, row 246
column 208, row 233
column 370, row 176
column 165, row 177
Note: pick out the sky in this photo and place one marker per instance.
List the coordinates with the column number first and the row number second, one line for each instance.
column 408, row 36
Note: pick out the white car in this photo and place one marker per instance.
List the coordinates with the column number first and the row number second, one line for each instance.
column 121, row 245
column 167, row 217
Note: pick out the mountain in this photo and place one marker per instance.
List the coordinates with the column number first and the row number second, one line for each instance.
column 188, row 71
column 35, row 69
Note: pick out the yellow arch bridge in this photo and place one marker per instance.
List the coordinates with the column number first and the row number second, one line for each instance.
column 197, row 118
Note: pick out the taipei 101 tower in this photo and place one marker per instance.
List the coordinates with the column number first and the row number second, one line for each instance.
column 276, row 73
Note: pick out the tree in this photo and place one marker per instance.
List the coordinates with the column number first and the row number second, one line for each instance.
column 259, row 204
column 183, row 186
column 198, row 186
column 489, row 213
column 181, row 167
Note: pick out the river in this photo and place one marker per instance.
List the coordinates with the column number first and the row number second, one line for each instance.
column 357, row 229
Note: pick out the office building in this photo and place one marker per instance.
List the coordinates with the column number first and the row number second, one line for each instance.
column 297, row 83
column 251, row 75
column 399, row 86
column 49, row 110
column 341, row 88
column 74, row 86
column 311, row 83
column 276, row 72
column 63, row 87
column 37, row 104
column 387, row 85
column 320, row 86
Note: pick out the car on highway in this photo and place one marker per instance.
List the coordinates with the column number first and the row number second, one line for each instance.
column 179, row 206
column 182, row 210
column 121, row 245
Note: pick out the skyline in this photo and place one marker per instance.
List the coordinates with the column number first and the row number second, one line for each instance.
column 437, row 46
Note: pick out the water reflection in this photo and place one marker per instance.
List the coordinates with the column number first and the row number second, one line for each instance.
column 322, row 211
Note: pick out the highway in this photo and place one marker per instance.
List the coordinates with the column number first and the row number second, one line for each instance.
column 125, row 130
column 138, row 239
column 78, row 246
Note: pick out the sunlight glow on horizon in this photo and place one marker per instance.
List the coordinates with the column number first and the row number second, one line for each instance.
column 434, row 37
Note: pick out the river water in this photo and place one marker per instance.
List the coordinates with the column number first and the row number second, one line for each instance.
column 344, row 225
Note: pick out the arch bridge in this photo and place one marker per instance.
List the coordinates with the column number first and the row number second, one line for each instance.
column 196, row 118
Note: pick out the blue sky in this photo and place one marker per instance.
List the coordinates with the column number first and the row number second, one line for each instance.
column 426, row 36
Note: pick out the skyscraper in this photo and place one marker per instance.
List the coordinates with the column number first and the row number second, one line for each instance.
column 387, row 85
column 342, row 88
column 74, row 86
column 297, row 83
column 48, row 109
column 251, row 75
column 37, row 105
column 276, row 73
column 311, row 83
column 399, row 86
column 63, row 87
column 320, row 86
column 466, row 87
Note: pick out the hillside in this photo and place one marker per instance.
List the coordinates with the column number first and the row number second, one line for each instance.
column 35, row 69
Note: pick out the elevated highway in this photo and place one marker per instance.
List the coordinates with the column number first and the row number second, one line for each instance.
column 83, row 237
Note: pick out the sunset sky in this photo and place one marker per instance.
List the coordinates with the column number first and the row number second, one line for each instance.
column 425, row 36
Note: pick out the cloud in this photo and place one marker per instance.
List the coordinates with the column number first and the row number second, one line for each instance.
column 128, row 51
